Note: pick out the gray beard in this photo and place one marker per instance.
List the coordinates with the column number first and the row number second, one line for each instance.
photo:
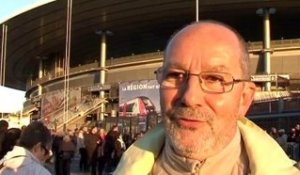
column 199, row 145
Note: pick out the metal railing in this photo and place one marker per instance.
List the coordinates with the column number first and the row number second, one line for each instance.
column 253, row 46
column 134, row 59
column 282, row 105
column 57, row 121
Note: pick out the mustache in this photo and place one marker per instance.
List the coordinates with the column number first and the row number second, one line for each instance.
column 189, row 113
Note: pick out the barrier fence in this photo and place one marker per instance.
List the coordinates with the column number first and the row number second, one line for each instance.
column 293, row 151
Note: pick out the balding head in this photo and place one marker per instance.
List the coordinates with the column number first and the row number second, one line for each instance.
column 212, row 31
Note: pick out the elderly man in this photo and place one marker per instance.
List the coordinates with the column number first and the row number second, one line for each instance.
column 205, row 92
column 33, row 150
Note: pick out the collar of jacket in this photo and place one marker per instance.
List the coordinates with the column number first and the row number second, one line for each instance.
column 18, row 157
column 265, row 157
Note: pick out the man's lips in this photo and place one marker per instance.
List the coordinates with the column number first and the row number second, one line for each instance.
column 189, row 123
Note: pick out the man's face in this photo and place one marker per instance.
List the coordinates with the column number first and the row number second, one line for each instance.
column 85, row 129
column 42, row 152
column 94, row 130
column 200, row 124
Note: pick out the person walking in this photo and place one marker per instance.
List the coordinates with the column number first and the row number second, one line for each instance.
column 67, row 152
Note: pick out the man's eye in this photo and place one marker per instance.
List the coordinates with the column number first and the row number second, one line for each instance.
column 175, row 75
column 213, row 78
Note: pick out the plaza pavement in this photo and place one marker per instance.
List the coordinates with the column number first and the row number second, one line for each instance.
column 74, row 167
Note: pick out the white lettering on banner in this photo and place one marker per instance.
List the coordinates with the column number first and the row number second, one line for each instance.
column 142, row 86
column 266, row 78
column 99, row 87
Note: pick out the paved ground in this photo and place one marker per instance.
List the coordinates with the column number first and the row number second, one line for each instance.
column 74, row 168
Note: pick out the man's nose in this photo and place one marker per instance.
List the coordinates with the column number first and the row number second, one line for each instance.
column 192, row 93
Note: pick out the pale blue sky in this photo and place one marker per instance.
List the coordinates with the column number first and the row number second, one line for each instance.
column 8, row 7
column 12, row 100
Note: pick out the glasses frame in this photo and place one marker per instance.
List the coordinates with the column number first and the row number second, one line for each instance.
column 47, row 151
column 159, row 79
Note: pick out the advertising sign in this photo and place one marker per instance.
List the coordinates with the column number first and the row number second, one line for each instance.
column 139, row 98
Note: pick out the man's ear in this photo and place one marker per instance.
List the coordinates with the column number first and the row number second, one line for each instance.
column 247, row 98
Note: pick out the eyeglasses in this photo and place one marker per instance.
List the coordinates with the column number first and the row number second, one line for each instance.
column 47, row 151
column 210, row 82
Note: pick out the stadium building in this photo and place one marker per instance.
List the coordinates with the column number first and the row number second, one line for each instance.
column 71, row 56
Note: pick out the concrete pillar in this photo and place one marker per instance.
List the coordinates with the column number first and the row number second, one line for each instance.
column 41, row 73
column 102, row 73
column 197, row 10
column 103, row 49
column 3, row 54
column 265, row 13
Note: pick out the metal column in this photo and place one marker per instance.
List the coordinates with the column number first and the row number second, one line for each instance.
column 3, row 54
column 266, row 12
column 102, row 73
column 41, row 72
column 103, row 49
column 197, row 10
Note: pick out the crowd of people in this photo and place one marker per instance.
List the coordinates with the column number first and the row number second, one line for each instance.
column 99, row 151
column 289, row 141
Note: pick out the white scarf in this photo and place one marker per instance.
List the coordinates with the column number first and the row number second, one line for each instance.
column 232, row 160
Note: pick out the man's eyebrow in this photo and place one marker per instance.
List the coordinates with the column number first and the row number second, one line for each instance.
column 209, row 68
column 219, row 68
column 177, row 66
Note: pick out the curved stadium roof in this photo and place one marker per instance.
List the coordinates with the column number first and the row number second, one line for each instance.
column 138, row 26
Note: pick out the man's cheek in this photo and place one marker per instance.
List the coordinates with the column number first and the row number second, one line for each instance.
column 225, row 106
column 220, row 103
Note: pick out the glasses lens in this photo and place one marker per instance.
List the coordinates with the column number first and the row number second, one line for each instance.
column 210, row 82
column 216, row 82
column 171, row 79
column 47, row 151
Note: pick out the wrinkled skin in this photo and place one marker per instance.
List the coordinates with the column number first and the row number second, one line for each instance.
column 199, row 124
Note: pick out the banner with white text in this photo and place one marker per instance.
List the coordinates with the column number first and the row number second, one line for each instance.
column 139, row 98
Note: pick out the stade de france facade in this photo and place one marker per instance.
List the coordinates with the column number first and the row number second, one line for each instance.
column 105, row 42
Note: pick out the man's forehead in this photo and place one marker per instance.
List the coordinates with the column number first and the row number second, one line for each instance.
column 198, row 46
column 214, row 67
column 201, row 33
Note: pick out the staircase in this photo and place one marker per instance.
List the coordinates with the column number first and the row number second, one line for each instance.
column 75, row 116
